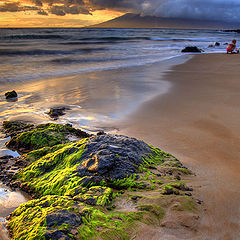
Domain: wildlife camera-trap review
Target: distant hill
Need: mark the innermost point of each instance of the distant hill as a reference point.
(130, 20)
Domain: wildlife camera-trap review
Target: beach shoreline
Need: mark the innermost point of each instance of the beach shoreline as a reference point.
(189, 122)
(197, 121)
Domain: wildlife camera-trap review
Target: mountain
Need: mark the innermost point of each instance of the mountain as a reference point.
(130, 20)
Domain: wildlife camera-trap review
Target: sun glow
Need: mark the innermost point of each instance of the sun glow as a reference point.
(32, 18)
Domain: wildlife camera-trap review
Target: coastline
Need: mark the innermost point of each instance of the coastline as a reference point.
(197, 121)
(188, 122)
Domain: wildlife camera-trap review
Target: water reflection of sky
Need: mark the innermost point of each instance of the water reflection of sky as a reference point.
(95, 99)
(10, 200)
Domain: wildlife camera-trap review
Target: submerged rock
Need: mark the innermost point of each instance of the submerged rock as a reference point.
(191, 49)
(11, 94)
(57, 111)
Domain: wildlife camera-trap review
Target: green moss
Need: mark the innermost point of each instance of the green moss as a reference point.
(44, 135)
(36, 154)
(157, 211)
(126, 183)
(188, 204)
(14, 127)
(29, 220)
(108, 226)
(58, 170)
(55, 173)
(99, 196)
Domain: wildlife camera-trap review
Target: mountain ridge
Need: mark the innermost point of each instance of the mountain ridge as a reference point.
(131, 20)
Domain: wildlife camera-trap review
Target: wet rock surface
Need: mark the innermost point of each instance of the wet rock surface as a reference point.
(55, 112)
(11, 94)
(112, 157)
(192, 49)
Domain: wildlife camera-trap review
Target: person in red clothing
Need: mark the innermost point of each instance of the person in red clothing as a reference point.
(232, 46)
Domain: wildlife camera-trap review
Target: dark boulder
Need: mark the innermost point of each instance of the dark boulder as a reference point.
(11, 94)
(217, 44)
(55, 112)
(191, 49)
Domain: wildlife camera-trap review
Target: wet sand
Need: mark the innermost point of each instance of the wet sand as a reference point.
(198, 121)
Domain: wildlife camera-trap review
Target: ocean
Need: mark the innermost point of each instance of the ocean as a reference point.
(101, 74)
(30, 54)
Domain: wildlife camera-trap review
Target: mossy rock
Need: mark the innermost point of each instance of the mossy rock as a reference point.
(107, 160)
(77, 182)
(45, 218)
(97, 195)
(44, 135)
(12, 128)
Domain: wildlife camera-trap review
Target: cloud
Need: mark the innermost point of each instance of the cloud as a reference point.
(15, 7)
(42, 12)
(195, 9)
(68, 9)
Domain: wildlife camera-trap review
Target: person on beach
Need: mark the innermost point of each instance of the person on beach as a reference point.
(231, 47)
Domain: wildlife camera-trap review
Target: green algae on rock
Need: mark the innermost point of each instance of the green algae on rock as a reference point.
(43, 218)
(80, 182)
(43, 135)
(12, 128)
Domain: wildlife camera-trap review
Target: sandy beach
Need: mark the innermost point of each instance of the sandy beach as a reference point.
(198, 121)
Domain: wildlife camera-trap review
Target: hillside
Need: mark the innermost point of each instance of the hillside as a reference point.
(130, 20)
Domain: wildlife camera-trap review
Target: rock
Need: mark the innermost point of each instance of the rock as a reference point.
(56, 235)
(199, 201)
(168, 191)
(210, 46)
(225, 43)
(57, 111)
(96, 196)
(12, 128)
(191, 49)
(43, 135)
(178, 177)
(11, 94)
(100, 133)
(57, 218)
(51, 217)
(134, 198)
(233, 30)
(217, 44)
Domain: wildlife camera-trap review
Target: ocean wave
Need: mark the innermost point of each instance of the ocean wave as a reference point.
(32, 52)
(114, 38)
(29, 36)
(91, 60)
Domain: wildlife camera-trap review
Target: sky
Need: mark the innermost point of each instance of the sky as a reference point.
(79, 13)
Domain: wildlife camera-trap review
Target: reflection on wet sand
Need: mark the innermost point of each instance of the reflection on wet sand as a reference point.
(94, 98)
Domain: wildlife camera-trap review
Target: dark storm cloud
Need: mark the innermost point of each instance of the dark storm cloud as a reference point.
(15, 7)
(197, 9)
